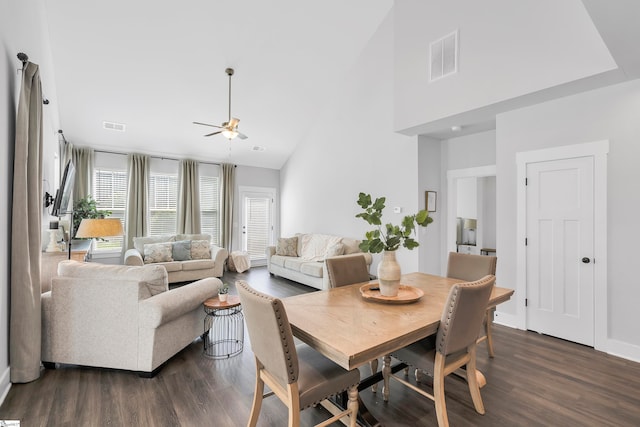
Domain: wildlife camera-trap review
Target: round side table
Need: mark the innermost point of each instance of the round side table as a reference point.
(223, 327)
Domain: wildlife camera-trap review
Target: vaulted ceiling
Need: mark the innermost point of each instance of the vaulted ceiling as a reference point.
(157, 66)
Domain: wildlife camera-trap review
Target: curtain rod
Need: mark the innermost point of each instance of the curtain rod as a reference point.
(151, 156)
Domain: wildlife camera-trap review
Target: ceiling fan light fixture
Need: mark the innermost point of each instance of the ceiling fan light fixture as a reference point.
(229, 134)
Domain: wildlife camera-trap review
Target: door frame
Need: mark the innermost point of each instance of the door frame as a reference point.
(598, 150)
(273, 192)
(452, 203)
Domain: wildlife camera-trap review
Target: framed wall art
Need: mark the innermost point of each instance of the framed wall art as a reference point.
(430, 200)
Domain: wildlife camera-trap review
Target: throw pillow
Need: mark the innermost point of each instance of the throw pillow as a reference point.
(287, 246)
(334, 250)
(157, 252)
(181, 251)
(200, 249)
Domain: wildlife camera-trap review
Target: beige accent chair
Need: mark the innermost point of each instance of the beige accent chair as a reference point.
(120, 317)
(453, 347)
(469, 267)
(300, 376)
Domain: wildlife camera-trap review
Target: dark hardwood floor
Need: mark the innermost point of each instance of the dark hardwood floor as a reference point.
(534, 380)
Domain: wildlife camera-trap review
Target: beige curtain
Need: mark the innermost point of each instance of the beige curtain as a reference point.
(226, 220)
(188, 218)
(83, 161)
(138, 198)
(26, 229)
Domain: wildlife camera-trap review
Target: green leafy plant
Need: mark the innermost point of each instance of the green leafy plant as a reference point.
(390, 237)
(224, 289)
(86, 208)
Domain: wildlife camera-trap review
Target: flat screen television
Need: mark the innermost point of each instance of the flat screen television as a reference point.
(63, 195)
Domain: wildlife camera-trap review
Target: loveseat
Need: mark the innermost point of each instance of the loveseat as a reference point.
(301, 258)
(121, 317)
(186, 257)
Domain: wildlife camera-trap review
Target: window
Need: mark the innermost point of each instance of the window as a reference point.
(111, 194)
(210, 207)
(163, 196)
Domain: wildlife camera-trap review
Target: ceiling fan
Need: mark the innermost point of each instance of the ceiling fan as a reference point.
(228, 129)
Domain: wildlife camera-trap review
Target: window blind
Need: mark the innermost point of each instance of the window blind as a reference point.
(111, 194)
(210, 207)
(163, 197)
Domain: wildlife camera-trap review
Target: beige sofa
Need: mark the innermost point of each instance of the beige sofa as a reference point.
(303, 259)
(180, 270)
(120, 317)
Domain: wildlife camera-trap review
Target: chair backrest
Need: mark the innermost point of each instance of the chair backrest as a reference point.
(463, 314)
(270, 333)
(469, 267)
(346, 270)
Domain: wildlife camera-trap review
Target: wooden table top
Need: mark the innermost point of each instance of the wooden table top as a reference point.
(215, 303)
(351, 331)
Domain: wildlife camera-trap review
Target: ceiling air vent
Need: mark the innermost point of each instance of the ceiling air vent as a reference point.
(258, 148)
(114, 126)
(443, 55)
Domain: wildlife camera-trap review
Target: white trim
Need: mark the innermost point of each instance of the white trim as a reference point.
(598, 150)
(5, 384)
(452, 200)
(624, 350)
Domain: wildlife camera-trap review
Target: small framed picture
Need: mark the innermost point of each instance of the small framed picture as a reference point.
(430, 200)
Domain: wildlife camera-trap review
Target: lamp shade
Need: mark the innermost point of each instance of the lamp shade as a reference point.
(469, 224)
(229, 134)
(99, 227)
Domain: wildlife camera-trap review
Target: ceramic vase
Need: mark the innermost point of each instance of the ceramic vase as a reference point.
(222, 297)
(389, 274)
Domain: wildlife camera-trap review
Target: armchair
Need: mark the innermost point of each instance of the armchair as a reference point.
(120, 317)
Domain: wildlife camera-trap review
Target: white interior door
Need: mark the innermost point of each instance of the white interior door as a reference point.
(257, 214)
(560, 248)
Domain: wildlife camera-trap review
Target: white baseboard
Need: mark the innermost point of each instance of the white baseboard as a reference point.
(505, 319)
(5, 384)
(624, 350)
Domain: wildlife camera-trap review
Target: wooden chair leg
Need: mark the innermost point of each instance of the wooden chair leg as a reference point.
(438, 391)
(257, 399)
(352, 405)
(293, 404)
(488, 326)
(472, 380)
(386, 373)
(374, 368)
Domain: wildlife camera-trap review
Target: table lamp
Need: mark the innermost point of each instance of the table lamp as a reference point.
(470, 224)
(98, 227)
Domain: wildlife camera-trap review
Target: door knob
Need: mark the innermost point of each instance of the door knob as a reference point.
(586, 260)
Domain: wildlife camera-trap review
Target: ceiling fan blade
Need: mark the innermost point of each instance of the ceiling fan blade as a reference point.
(233, 123)
(207, 124)
(214, 133)
(242, 136)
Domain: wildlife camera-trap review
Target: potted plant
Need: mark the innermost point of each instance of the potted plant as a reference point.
(86, 208)
(388, 239)
(223, 292)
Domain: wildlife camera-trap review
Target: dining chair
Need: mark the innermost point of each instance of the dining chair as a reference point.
(451, 348)
(347, 270)
(300, 376)
(469, 267)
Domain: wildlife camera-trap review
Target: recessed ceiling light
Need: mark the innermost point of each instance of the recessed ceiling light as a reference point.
(456, 128)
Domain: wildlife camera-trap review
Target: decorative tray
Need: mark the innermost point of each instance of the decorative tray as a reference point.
(406, 294)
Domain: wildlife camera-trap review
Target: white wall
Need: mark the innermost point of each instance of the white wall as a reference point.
(353, 148)
(430, 178)
(22, 29)
(541, 53)
(605, 114)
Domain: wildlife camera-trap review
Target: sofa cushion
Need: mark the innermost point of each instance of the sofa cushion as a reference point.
(200, 249)
(139, 242)
(314, 246)
(351, 246)
(172, 266)
(293, 263)
(334, 250)
(206, 237)
(157, 252)
(311, 269)
(287, 246)
(198, 264)
(278, 260)
(153, 276)
(181, 250)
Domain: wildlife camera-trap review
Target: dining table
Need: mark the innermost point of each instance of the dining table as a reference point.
(348, 327)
